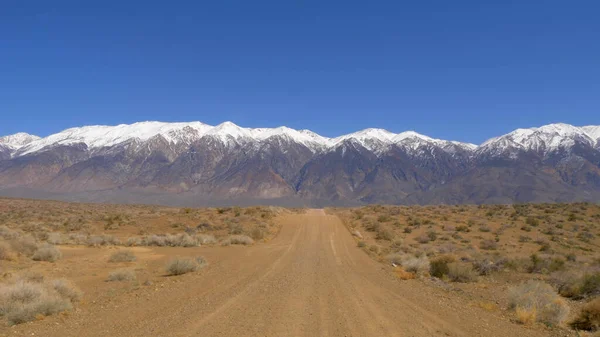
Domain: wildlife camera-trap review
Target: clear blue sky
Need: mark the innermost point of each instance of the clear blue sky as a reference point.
(464, 70)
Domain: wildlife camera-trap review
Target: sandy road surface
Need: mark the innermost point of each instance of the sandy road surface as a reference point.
(311, 280)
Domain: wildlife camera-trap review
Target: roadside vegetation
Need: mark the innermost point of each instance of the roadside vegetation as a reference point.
(110, 244)
(548, 254)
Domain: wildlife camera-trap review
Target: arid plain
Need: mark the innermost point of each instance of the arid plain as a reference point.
(70, 269)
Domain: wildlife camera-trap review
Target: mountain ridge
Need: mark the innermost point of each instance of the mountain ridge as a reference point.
(184, 163)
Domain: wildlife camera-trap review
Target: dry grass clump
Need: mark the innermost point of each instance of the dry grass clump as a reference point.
(205, 239)
(411, 263)
(577, 285)
(461, 272)
(180, 240)
(25, 301)
(122, 256)
(24, 245)
(257, 233)
(488, 245)
(589, 317)
(537, 301)
(55, 239)
(237, 240)
(102, 240)
(403, 274)
(488, 266)
(5, 252)
(47, 252)
(180, 266)
(121, 275)
(439, 265)
(133, 242)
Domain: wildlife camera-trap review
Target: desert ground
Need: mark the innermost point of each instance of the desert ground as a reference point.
(70, 269)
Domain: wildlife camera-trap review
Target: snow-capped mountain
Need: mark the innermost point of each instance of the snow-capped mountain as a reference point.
(100, 136)
(195, 162)
(543, 140)
(18, 140)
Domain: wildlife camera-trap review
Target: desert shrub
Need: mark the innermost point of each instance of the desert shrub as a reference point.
(531, 221)
(180, 240)
(372, 226)
(102, 240)
(133, 242)
(66, 290)
(488, 266)
(238, 240)
(361, 244)
(47, 252)
(432, 235)
(155, 240)
(5, 252)
(589, 317)
(121, 275)
(543, 265)
(538, 301)
(488, 245)
(257, 233)
(25, 245)
(122, 256)
(55, 239)
(524, 238)
(590, 285)
(407, 230)
(7, 233)
(463, 228)
(78, 238)
(179, 266)
(418, 265)
(422, 239)
(375, 249)
(385, 234)
(205, 239)
(439, 265)
(25, 301)
(461, 272)
(384, 218)
(485, 228)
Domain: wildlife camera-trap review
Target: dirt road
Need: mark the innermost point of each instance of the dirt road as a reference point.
(311, 280)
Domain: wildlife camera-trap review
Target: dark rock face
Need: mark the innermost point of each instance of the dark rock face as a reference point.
(213, 170)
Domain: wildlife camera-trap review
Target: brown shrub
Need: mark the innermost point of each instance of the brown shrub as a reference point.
(179, 266)
(122, 256)
(439, 265)
(25, 301)
(461, 272)
(121, 275)
(237, 240)
(47, 252)
(25, 245)
(589, 317)
(5, 252)
(539, 299)
(488, 245)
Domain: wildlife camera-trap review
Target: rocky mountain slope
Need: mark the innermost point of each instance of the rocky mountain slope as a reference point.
(198, 164)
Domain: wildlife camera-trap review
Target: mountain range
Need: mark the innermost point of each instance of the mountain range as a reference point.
(197, 164)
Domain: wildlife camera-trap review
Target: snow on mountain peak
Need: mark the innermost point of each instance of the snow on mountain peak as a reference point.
(545, 139)
(18, 139)
(593, 131)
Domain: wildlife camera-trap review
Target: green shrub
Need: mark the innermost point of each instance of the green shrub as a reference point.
(461, 272)
(439, 265)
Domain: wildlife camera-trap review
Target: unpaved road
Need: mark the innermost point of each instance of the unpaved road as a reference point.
(311, 280)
